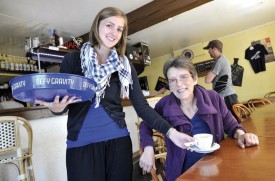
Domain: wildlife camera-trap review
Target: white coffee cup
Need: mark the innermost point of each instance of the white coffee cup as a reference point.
(203, 141)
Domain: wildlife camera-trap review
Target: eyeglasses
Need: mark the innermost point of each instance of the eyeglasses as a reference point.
(182, 78)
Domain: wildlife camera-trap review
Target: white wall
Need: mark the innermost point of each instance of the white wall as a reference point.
(131, 119)
(49, 147)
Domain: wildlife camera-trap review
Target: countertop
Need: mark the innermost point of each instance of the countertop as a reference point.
(38, 112)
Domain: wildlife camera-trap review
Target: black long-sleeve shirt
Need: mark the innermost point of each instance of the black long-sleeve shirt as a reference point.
(111, 102)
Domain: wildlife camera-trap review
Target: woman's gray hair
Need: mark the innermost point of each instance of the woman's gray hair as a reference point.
(180, 62)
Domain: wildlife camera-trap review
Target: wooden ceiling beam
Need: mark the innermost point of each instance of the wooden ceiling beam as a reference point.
(158, 11)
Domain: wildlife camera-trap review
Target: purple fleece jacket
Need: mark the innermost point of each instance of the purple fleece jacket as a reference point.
(211, 109)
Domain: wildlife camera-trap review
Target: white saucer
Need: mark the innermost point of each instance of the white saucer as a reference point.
(213, 148)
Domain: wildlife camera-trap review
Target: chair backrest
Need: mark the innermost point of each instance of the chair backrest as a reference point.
(257, 102)
(241, 111)
(160, 146)
(269, 94)
(10, 137)
(160, 156)
(153, 101)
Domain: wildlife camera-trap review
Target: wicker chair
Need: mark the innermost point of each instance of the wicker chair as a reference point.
(254, 103)
(153, 101)
(160, 156)
(241, 111)
(11, 149)
(270, 94)
(160, 147)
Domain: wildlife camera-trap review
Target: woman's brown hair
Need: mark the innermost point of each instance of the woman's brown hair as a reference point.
(103, 14)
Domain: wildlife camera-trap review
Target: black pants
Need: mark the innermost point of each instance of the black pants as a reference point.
(103, 161)
(230, 101)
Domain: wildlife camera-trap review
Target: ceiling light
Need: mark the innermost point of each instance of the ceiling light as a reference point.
(169, 19)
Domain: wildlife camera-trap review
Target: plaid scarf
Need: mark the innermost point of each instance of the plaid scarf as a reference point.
(101, 73)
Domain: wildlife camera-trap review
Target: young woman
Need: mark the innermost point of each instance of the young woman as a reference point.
(191, 109)
(98, 141)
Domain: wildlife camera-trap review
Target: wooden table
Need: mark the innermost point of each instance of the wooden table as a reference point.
(262, 121)
(231, 162)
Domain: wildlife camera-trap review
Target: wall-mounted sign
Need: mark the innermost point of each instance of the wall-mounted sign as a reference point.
(204, 67)
(162, 82)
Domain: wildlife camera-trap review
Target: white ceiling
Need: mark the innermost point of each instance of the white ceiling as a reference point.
(30, 18)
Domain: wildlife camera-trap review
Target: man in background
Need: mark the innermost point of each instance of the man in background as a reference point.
(220, 74)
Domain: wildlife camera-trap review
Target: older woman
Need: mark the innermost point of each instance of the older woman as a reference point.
(190, 109)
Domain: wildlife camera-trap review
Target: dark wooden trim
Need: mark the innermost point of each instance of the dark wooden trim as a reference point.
(156, 12)
(127, 102)
(39, 112)
(28, 113)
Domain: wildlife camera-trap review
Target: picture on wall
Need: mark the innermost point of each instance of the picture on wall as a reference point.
(267, 43)
(162, 82)
(143, 83)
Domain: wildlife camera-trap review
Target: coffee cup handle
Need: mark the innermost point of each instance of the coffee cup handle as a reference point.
(189, 144)
(196, 142)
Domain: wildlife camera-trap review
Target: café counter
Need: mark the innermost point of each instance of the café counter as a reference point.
(38, 112)
(49, 140)
(29, 113)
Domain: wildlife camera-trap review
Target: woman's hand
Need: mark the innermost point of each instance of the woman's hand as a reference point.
(179, 138)
(147, 159)
(57, 105)
(246, 139)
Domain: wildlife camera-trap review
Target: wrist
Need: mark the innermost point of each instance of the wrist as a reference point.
(238, 133)
(168, 134)
(148, 148)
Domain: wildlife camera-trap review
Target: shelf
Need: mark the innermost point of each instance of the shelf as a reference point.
(48, 55)
(14, 72)
(7, 75)
(143, 50)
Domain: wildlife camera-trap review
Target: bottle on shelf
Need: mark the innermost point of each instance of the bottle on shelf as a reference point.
(7, 64)
(2, 62)
(11, 62)
(16, 64)
(20, 64)
(28, 66)
(32, 66)
(24, 64)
